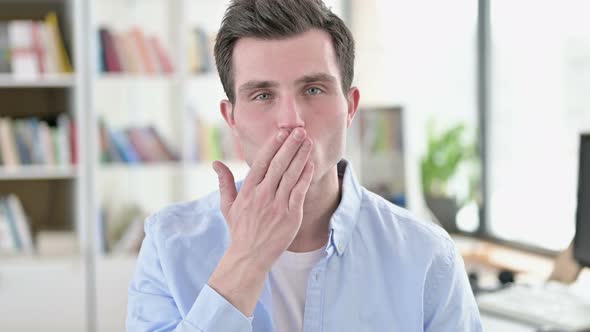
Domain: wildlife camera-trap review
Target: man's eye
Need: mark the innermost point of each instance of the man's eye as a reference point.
(262, 96)
(313, 91)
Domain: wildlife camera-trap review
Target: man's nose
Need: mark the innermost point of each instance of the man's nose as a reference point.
(290, 114)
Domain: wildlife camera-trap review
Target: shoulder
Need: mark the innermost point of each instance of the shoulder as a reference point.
(186, 218)
(403, 228)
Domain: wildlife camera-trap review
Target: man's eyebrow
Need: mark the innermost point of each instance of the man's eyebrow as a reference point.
(310, 78)
(253, 85)
(316, 77)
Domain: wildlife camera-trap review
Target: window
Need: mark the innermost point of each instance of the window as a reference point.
(539, 104)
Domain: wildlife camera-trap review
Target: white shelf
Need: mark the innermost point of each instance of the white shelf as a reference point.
(52, 81)
(140, 166)
(16, 256)
(3, 2)
(208, 164)
(131, 77)
(38, 172)
(20, 258)
(191, 165)
(206, 76)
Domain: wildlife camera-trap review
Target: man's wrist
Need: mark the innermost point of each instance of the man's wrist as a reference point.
(239, 279)
(256, 263)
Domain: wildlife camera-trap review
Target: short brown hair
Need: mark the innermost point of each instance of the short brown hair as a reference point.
(277, 19)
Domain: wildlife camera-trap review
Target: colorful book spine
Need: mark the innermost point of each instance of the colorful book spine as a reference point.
(145, 55)
(211, 142)
(134, 145)
(15, 232)
(30, 49)
(4, 49)
(162, 56)
(23, 59)
(32, 141)
(10, 157)
(132, 52)
(110, 56)
(7, 242)
(63, 59)
(63, 129)
(125, 148)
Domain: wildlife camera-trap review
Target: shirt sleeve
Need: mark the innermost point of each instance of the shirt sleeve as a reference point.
(449, 301)
(151, 307)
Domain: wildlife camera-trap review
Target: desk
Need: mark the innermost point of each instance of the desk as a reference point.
(487, 259)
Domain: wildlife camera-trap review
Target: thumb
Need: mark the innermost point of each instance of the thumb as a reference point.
(227, 186)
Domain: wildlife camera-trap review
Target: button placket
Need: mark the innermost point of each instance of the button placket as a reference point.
(313, 305)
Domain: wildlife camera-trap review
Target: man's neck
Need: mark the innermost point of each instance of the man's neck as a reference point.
(321, 201)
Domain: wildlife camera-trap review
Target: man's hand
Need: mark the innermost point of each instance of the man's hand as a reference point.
(264, 217)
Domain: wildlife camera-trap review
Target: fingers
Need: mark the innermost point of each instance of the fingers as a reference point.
(282, 159)
(293, 173)
(263, 159)
(227, 186)
(300, 190)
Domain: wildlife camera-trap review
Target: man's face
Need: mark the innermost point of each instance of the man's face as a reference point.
(290, 83)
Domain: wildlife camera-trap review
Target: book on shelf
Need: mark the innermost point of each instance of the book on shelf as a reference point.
(4, 49)
(200, 51)
(132, 52)
(30, 49)
(108, 54)
(15, 234)
(381, 130)
(382, 152)
(56, 43)
(163, 59)
(121, 230)
(133, 145)
(31, 141)
(146, 53)
(123, 147)
(108, 152)
(149, 144)
(212, 141)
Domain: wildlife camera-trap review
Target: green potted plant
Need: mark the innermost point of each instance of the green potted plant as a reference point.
(445, 154)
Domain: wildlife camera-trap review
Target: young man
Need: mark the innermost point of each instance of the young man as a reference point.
(301, 246)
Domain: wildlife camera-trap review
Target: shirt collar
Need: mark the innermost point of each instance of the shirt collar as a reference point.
(345, 217)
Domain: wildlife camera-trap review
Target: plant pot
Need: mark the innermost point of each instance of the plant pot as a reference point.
(445, 210)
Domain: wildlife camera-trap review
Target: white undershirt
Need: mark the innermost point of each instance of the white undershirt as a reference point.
(288, 280)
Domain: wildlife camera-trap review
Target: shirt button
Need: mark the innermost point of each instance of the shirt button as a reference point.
(340, 247)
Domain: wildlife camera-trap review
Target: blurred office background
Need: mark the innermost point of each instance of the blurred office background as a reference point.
(471, 114)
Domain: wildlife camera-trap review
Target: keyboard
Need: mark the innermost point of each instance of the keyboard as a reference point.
(550, 305)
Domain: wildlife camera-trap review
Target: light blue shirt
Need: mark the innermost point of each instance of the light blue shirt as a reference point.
(384, 270)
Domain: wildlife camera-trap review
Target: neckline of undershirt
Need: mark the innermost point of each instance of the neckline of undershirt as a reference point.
(300, 260)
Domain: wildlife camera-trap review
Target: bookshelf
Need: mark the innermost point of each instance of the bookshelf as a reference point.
(53, 81)
(38, 87)
(38, 173)
(40, 112)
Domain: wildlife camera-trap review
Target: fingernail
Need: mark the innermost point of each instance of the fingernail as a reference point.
(307, 144)
(215, 168)
(282, 135)
(298, 134)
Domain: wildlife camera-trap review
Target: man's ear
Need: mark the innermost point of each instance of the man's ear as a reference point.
(227, 111)
(353, 98)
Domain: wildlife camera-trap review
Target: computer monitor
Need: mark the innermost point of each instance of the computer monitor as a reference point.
(582, 237)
